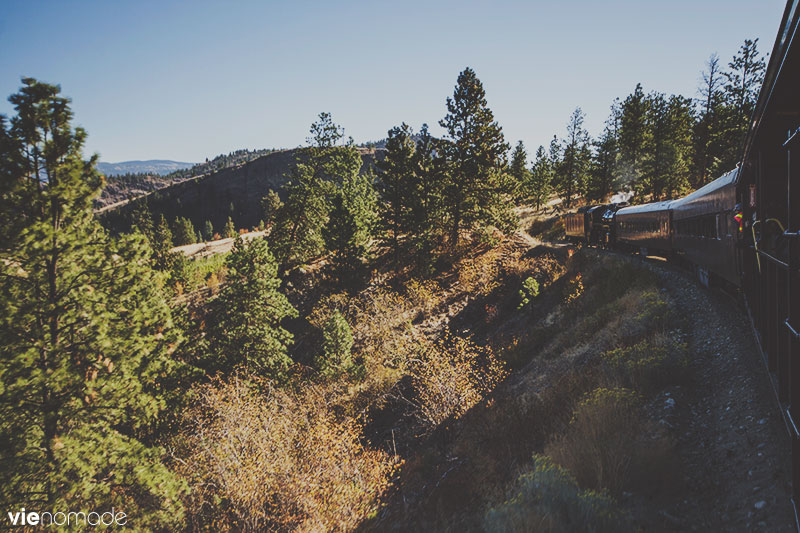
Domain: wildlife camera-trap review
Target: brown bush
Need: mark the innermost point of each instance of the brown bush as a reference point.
(449, 377)
(261, 458)
(611, 444)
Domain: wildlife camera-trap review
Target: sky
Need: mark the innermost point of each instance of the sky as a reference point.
(190, 80)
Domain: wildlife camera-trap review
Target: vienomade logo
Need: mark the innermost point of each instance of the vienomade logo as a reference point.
(70, 518)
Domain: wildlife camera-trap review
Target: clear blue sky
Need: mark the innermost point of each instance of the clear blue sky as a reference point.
(189, 80)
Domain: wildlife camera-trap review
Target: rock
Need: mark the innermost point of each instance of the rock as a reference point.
(760, 504)
(762, 421)
(670, 403)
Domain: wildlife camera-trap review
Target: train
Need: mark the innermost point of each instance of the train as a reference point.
(700, 230)
(742, 230)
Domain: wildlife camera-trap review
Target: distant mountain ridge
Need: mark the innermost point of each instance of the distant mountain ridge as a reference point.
(151, 166)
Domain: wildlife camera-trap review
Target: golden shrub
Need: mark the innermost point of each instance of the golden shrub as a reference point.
(263, 458)
(450, 376)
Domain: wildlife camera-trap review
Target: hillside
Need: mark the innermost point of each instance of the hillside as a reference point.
(121, 187)
(234, 192)
(160, 167)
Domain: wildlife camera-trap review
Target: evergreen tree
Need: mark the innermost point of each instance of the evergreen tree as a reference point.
(297, 235)
(351, 224)
(85, 333)
(603, 175)
(477, 187)
(271, 205)
(742, 84)
(142, 221)
(397, 186)
(184, 232)
(633, 134)
(162, 244)
(426, 216)
(208, 231)
(665, 167)
(571, 179)
(337, 344)
(705, 151)
(540, 178)
(519, 168)
(246, 318)
(229, 231)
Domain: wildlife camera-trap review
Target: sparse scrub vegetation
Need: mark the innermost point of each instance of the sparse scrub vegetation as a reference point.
(547, 498)
(610, 444)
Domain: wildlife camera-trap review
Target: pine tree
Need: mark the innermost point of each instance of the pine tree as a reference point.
(633, 134)
(229, 231)
(540, 178)
(142, 221)
(603, 175)
(297, 235)
(348, 233)
(271, 205)
(184, 232)
(337, 344)
(85, 333)
(665, 166)
(208, 231)
(426, 215)
(743, 82)
(397, 186)
(246, 327)
(477, 189)
(705, 152)
(519, 168)
(571, 179)
(162, 244)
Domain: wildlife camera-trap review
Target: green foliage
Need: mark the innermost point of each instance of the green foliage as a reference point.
(547, 498)
(162, 244)
(337, 344)
(208, 231)
(665, 166)
(477, 187)
(351, 223)
(529, 291)
(271, 205)
(604, 171)
(519, 169)
(247, 314)
(298, 233)
(571, 171)
(86, 333)
(229, 231)
(540, 178)
(184, 232)
(398, 186)
(649, 364)
(633, 133)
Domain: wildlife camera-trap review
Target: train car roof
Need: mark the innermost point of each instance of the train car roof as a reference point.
(723, 181)
(644, 208)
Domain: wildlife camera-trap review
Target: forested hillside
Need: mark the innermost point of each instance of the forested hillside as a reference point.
(409, 345)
